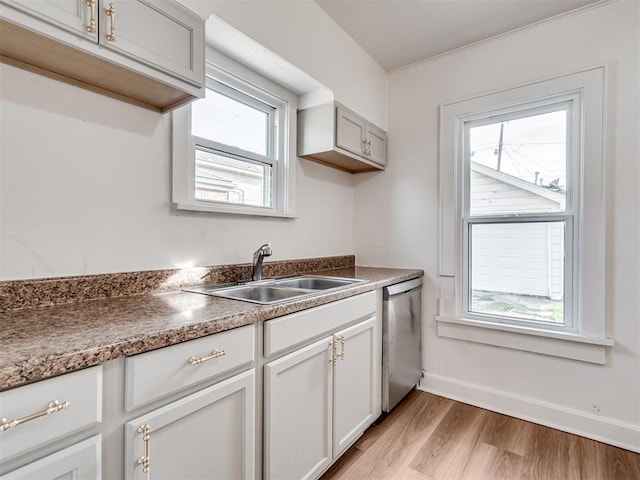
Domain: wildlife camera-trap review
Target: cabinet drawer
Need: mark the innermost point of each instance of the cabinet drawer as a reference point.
(83, 392)
(283, 333)
(153, 375)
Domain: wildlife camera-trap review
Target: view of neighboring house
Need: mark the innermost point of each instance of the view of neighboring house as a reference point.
(222, 179)
(515, 259)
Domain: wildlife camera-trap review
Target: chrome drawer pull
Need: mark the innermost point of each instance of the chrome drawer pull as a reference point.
(214, 354)
(145, 460)
(53, 407)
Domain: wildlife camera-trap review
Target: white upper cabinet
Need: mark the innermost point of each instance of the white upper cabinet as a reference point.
(376, 144)
(350, 130)
(71, 15)
(160, 34)
(147, 53)
(334, 135)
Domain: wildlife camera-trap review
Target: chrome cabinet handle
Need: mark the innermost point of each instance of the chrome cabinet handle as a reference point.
(341, 340)
(53, 407)
(214, 354)
(145, 460)
(91, 28)
(111, 13)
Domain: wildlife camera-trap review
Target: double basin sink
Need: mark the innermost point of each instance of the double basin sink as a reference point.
(266, 292)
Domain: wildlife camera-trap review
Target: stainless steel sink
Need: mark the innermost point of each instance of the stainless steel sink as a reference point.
(316, 282)
(264, 294)
(277, 290)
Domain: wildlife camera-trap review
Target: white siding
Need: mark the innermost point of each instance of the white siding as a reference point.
(492, 196)
(523, 259)
(556, 261)
(511, 258)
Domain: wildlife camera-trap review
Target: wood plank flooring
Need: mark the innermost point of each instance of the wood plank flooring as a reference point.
(433, 438)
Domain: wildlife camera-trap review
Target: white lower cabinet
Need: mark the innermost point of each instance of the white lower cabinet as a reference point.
(80, 461)
(356, 380)
(319, 400)
(298, 411)
(189, 411)
(209, 434)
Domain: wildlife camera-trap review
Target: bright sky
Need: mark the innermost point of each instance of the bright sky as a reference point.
(531, 144)
(222, 119)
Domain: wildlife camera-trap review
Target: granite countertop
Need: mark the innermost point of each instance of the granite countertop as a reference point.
(38, 343)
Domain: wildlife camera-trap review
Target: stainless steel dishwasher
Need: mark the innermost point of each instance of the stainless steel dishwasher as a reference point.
(401, 341)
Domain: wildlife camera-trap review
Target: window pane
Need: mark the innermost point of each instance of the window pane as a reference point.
(519, 165)
(222, 119)
(229, 180)
(517, 270)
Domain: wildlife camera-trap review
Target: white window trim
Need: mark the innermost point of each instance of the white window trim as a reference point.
(223, 70)
(587, 340)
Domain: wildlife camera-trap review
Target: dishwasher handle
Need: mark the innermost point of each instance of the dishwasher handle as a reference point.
(400, 288)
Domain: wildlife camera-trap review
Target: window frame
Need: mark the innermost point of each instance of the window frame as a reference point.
(573, 104)
(586, 338)
(231, 79)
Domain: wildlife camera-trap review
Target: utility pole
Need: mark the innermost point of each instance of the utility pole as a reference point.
(500, 146)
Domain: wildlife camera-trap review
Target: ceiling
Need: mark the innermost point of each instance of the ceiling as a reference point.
(397, 33)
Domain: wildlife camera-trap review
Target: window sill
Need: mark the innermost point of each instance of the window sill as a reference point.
(547, 342)
(233, 210)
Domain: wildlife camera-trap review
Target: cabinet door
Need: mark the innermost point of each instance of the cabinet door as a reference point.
(72, 15)
(162, 34)
(79, 461)
(209, 434)
(349, 131)
(356, 383)
(297, 413)
(376, 144)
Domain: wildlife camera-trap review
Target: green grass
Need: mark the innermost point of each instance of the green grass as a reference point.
(485, 298)
(557, 311)
(504, 307)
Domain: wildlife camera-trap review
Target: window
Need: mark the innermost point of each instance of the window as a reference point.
(522, 217)
(231, 148)
(519, 169)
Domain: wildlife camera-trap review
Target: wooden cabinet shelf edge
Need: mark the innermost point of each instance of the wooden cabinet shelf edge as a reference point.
(45, 45)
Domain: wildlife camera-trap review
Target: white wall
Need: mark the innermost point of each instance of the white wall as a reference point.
(396, 220)
(86, 188)
(303, 34)
(85, 180)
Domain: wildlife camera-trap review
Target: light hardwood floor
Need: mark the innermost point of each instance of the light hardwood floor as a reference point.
(433, 438)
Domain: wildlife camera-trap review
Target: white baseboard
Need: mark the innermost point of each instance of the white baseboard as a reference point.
(604, 430)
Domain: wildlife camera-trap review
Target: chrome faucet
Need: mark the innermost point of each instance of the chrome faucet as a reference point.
(258, 257)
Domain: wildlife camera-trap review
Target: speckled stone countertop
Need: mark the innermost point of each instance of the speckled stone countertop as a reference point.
(38, 343)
